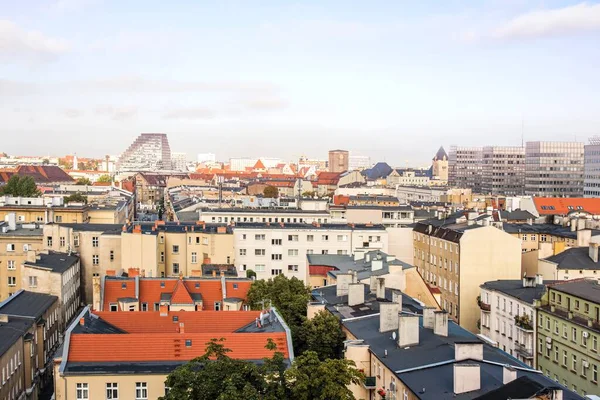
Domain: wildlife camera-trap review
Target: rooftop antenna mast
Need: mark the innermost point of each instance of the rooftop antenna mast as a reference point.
(522, 132)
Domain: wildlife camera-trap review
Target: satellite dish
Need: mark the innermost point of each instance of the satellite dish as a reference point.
(394, 335)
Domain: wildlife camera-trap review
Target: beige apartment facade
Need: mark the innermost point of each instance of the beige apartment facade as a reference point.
(457, 259)
(43, 214)
(15, 242)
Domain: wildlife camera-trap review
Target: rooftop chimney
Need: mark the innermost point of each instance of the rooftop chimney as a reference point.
(428, 317)
(509, 374)
(181, 327)
(440, 326)
(380, 288)
(356, 294)
(397, 297)
(539, 279)
(529, 281)
(11, 218)
(468, 351)
(389, 316)
(467, 378)
(82, 321)
(164, 310)
(342, 282)
(408, 330)
(593, 252)
(4, 318)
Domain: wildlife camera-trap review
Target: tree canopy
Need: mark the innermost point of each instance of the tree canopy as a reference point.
(271, 192)
(83, 181)
(104, 178)
(20, 186)
(217, 376)
(76, 198)
(322, 335)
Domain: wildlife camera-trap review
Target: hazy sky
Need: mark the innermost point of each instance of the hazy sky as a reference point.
(390, 79)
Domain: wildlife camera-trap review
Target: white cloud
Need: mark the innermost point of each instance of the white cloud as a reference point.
(189, 113)
(17, 43)
(117, 113)
(568, 20)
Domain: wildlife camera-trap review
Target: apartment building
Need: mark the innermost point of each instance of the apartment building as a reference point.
(43, 210)
(457, 257)
(411, 194)
(106, 352)
(149, 152)
(338, 160)
(270, 249)
(572, 263)
(465, 167)
(56, 274)
(591, 168)
(136, 293)
(503, 170)
(15, 241)
(97, 245)
(410, 352)
(409, 177)
(173, 249)
(229, 215)
(568, 331)
(554, 169)
(29, 337)
(508, 315)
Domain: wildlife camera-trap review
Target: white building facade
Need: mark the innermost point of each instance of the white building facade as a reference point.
(280, 248)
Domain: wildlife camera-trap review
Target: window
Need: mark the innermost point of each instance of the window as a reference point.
(292, 268)
(594, 373)
(259, 237)
(259, 267)
(113, 307)
(556, 353)
(76, 240)
(242, 252)
(194, 257)
(95, 259)
(112, 255)
(141, 391)
(244, 236)
(325, 238)
(574, 335)
(144, 306)
(564, 330)
(292, 252)
(62, 241)
(574, 363)
(594, 343)
(11, 264)
(10, 247)
(584, 337)
(156, 306)
(310, 251)
(324, 251)
(12, 281)
(577, 304)
(175, 268)
(162, 256)
(58, 218)
(162, 239)
(33, 281)
(310, 238)
(94, 241)
(259, 252)
(112, 390)
(49, 241)
(276, 256)
(342, 238)
(276, 242)
(564, 357)
(276, 271)
(175, 249)
(83, 392)
(217, 306)
(293, 238)
(188, 343)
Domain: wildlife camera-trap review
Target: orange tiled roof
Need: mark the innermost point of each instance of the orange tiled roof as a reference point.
(181, 295)
(565, 205)
(168, 346)
(259, 165)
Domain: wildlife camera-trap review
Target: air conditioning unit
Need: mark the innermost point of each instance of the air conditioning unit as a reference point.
(548, 340)
(585, 335)
(548, 346)
(585, 364)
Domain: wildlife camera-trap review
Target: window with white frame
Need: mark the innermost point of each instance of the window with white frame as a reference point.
(242, 252)
(259, 267)
(292, 252)
(95, 259)
(292, 268)
(95, 241)
(259, 252)
(82, 391)
(310, 238)
(175, 268)
(112, 391)
(342, 238)
(33, 281)
(141, 391)
(11, 264)
(293, 238)
(194, 257)
(259, 237)
(76, 240)
(12, 281)
(10, 247)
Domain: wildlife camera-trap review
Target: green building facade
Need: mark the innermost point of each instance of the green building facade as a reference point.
(568, 332)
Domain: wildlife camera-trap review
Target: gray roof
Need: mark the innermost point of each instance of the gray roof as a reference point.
(11, 331)
(346, 263)
(514, 288)
(187, 216)
(109, 229)
(574, 258)
(585, 289)
(27, 304)
(550, 229)
(28, 230)
(516, 215)
(287, 225)
(263, 211)
(54, 261)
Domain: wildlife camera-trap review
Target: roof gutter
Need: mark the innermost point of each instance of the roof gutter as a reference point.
(65, 353)
(288, 334)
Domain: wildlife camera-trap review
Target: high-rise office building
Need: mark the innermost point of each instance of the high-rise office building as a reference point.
(338, 160)
(554, 169)
(149, 152)
(591, 178)
(464, 167)
(356, 162)
(179, 161)
(503, 170)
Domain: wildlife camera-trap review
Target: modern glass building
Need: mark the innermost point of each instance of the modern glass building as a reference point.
(591, 178)
(503, 170)
(554, 169)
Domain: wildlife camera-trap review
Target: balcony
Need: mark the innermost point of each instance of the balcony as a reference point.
(370, 382)
(523, 323)
(484, 306)
(524, 351)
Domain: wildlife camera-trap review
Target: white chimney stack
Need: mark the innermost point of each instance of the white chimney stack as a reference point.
(380, 289)
(440, 323)
(468, 351)
(428, 317)
(341, 287)
(389, 316)
(509, 374)
(467, 378)
(408, 330)
(356, 294)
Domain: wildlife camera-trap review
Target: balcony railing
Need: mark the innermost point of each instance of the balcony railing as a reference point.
(370, 382)
(484, 306)
(523, 350)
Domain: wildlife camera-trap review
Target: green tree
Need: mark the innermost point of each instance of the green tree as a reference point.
(289, 295)
(250, 274)
(83, 181)
(309, 194)
(20, 186)
(76, 198)
(322, 334)
(104, 178)
(312, 379)
(271, 192)
(161, 208)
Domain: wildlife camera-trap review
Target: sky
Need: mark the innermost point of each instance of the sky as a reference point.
(393, 80)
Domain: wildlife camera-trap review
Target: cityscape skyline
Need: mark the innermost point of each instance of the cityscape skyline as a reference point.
(312, 74)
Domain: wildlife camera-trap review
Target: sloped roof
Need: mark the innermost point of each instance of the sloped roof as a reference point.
(41, 174)
(441, 153)
(180, 294)
(259, 165)
(565, 205)
(378, 171)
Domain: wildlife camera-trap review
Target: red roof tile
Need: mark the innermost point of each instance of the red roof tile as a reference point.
(180, 294)
(565, 205)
